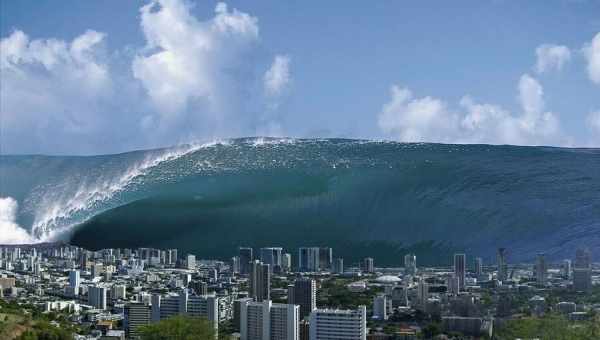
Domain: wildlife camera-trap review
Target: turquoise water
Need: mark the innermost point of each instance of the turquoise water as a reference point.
(361, 197)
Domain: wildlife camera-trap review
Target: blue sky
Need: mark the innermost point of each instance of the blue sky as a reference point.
(108, 76)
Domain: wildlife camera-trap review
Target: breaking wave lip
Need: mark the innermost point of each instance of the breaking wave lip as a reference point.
(59, 213)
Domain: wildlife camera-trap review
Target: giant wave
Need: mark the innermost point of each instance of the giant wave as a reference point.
(361, 197)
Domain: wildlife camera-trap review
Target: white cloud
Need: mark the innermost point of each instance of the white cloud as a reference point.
(416, 119)
(277, 77)
(10, 231)
(193, 79)
(591, 52)
(551, 57)
(51, 87)
(428, 119)
(187, 60)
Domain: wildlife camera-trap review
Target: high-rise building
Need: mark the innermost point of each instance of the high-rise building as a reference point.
(190, 262)
(502, 264)
(582, 271)
(583, 258)
(422, 293)
(478, 266)
(74, 281)
(380, 307)
(206, 306)
(339, 324)
(308, 259)
(97, 296)
(566, 269)
(237, 312)
(272, 257)
(368, 265)
(541, 269)
(410, 264)
(137, 314)
(235, 265)
(338, 266)
(84, 260)
(97, 269)
(260, 281)
(303, 293)
(325, 258)
(171, 256)
(269, 321)
(286, 262)
(460, 261)
(118, 292)
(582, 279)
(245, 259)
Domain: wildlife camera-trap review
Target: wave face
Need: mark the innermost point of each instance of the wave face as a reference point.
(361, 197)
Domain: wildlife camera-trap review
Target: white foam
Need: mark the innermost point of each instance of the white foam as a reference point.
(10, 231)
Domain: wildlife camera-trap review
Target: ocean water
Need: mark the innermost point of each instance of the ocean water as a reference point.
(360, 197)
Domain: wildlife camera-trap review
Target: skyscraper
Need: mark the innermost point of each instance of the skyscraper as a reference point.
(272, 257)
(380, 307)
(566, 269)
(460, 270)
(303, 293)
(338, 266)
(325, 258)
(410, 264)
(260, 281)
(541, 270)
(478, 266)
(235, 265)
(245, 259)
(286, 262)
(269, 321)
(502, 264)
(308, 259)
(74, 282)
(422, 293)
(582, 271)
(97, 297)
(368, 265)
(190, 262)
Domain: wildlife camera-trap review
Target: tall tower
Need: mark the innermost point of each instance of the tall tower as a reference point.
(478, 266)
(303, 293)
(245, 259)
(541, 269)
(410, 264)
(260, 281)
(502, 265)
(460, 269)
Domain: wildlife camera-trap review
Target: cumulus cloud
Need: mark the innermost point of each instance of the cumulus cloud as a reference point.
(187, 55)
(51, 87)
(551, 57)
(591, 52)
(416, 119)
(10, 231)
(277, 77)
(192, 79)
(428, 119)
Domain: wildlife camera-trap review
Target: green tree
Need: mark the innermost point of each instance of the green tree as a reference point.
(179, 328)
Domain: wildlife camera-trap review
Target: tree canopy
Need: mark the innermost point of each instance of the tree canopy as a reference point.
(179, 328)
